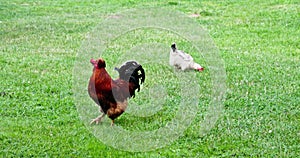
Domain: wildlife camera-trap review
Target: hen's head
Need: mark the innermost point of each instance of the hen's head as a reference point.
(99, 63)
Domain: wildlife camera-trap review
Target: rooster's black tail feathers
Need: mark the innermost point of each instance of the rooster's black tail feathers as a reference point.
(132, 72)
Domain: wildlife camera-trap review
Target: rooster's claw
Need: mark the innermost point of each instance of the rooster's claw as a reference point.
(98, 119)
(95, 120)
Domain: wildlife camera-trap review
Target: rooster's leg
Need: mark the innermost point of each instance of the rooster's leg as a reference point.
(100, 109)
(112, 122)
(98, 119)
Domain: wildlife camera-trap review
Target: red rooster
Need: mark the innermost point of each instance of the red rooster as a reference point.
(111, 95)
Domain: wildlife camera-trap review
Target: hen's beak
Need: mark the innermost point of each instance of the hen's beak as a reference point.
(200, 69)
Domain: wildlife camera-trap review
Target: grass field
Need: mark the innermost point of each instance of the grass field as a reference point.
(258, 41)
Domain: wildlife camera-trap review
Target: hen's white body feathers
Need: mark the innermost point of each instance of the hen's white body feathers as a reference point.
(182, 60)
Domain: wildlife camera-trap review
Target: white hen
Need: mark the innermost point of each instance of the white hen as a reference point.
(182, 60)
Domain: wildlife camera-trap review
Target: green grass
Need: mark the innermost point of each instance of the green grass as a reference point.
(258, 41)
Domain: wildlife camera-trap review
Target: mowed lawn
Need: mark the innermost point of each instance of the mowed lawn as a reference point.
(258, 41)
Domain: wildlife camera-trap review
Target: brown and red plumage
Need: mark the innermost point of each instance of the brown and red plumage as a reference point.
(112, 95)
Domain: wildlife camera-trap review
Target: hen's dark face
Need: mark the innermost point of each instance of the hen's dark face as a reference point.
(99, 63)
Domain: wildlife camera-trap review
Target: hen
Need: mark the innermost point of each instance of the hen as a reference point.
(112, 95)
(182, 60)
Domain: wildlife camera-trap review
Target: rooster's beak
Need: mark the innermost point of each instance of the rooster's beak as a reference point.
(93, 61)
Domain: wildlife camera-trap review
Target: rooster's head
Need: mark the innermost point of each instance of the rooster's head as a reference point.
(99, 63)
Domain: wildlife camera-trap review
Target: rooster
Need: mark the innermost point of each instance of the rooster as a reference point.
(182, 60)
(112, 95)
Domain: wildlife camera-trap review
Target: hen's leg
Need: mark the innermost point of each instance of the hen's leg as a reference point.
(98, 119)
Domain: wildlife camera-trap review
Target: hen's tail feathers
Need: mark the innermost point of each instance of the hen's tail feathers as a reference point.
(173, 46)
(134, 73)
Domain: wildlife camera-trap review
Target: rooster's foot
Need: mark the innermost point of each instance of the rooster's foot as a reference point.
(97, 120)
(112, 123)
